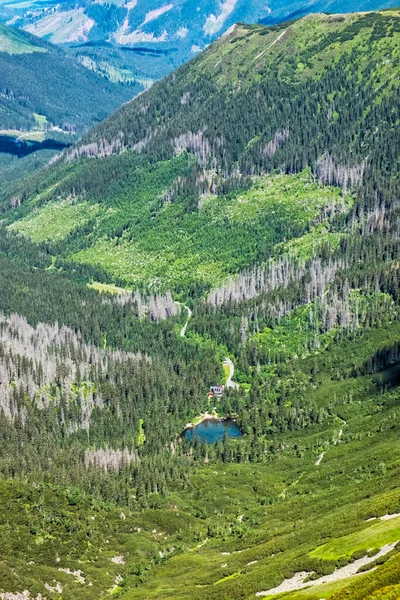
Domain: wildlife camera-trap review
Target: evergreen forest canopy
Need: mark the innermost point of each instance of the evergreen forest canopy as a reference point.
(247, 206)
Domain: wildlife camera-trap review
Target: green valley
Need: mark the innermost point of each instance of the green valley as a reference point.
(46, 101)
(238, 219)
(205, 249)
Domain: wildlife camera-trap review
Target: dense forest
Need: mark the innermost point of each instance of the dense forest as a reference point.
(252, 199)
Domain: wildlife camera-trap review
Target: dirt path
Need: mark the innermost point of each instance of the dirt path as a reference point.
(339, 435)
(189, 313)
(270, 46)
(229, 383)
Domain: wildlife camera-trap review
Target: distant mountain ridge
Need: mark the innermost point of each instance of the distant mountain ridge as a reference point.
(179, 28)
(47, 98)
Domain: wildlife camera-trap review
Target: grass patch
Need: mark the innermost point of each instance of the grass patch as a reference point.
(226, 371)
(375, 535)
(40, 120)
(13, 41)
(227, 578)
(104, 288)
(29, 136)
(55, 221)
(309, 245)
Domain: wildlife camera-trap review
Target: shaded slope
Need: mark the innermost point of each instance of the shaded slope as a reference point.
(39, 79)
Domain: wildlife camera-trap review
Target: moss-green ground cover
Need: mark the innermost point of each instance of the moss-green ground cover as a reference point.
(54, 222)
(132, 234)
(104, 288)
(237, 529)
(375, 536)
(13, 41)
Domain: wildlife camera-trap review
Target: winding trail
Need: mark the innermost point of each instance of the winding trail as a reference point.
(229, 383)
(189, 312)
(183, 330)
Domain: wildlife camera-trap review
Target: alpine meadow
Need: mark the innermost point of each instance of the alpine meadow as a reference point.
(199, 325)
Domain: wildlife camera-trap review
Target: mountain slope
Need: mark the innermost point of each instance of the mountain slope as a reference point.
(258, 100)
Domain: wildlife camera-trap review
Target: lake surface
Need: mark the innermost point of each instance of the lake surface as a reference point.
(213, 430)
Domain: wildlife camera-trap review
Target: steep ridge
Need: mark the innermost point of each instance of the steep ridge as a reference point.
(147, 39)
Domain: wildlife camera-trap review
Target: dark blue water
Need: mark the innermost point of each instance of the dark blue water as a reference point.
(212, 430)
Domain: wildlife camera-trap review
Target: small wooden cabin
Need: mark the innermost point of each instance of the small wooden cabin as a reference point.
(216, 390)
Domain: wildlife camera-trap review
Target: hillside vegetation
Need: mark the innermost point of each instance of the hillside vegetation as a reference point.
(46, 98)
(252, 199)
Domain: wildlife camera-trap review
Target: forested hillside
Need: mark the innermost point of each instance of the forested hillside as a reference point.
(247, 206)
(196, 148)
(42, 87)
